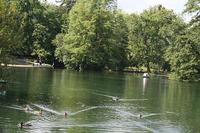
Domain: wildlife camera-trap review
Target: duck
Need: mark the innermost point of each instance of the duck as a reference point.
(28, 108)
(115, 98)
(140, 116)
(66, 114)
(83, 105)
(37, 112)
(24, 125)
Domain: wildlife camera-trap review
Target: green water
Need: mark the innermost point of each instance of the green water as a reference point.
(166, 106)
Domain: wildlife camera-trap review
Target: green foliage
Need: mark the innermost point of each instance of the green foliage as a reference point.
(150, 34)
(94, 35)
(88, 44)
(52, 21)
(59, 51)
(40, 36)
(193, 7)
(64, 9)
(67, 4)
(9, 31)
(184, 56)
(119, 47)
(39, 23)
(31, 12)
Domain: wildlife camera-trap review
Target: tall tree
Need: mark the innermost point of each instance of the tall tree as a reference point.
(9, 29)
(88, 41)
(9, 34)
(184, 55)
(40, 23)
(40, 37)
(51, 25)
(119, 46)
(65, 7)
(31, 13)
(151, 33)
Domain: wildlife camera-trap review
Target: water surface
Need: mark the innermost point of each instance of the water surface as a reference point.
(97, 102)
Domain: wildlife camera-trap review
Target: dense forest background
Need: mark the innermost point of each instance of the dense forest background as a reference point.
(95, 35)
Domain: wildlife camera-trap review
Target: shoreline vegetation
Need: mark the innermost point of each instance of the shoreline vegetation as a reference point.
(123, 71)
(95, 35)
(28, 63)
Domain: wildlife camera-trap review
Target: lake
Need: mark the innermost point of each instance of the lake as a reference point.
(97, 102)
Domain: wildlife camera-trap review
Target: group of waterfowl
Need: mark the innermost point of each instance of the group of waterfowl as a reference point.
(28, 109)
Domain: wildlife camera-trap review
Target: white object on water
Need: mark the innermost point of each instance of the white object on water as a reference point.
(145, 75)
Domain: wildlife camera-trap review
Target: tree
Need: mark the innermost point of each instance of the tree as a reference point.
(88, 41)
(65, 7)
(67, 4)
(31, 12)
(9, 34)
(52, 23)
(193, 7)
(150, 35)
(40, 45)
(9, 29)
(119, 47)
(184, 56)
(39, 24)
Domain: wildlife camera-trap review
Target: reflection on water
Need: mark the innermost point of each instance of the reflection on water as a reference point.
(144, 85)
(97, 102)
(3, 89)
(2, 93)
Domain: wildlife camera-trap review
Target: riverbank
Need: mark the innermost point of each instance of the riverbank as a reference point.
(30, 65)
(26, 63)
(142, 70)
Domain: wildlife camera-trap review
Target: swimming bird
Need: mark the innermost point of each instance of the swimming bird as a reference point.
(83, 105)
(140, 116)
(37, 112)
(24, 125)
(28, 108)
(115, 98)
(66, 114)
